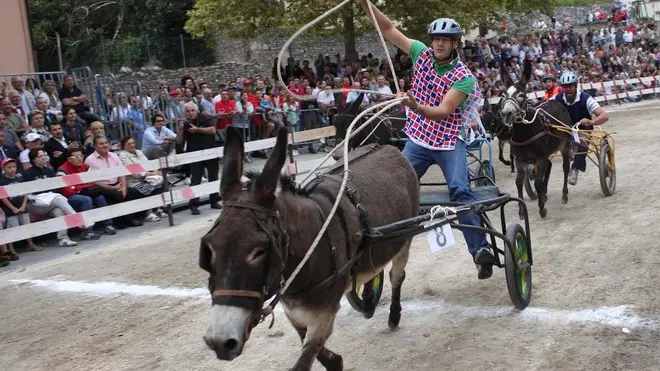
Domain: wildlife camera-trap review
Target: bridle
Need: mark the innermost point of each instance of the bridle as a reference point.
(268, 221)
(518, 115)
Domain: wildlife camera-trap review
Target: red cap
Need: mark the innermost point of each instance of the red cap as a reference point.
(6, 161)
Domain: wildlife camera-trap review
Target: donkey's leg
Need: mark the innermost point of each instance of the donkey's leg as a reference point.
(521, 169)
(500, 144)
(513, 166)
(546, 178)
(397, 276)
(316, 327)
(566, 156)
(538, 184)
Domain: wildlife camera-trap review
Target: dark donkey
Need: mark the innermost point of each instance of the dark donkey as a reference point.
(267, 226)
(532, 138)
(390, 128)
(493, 124)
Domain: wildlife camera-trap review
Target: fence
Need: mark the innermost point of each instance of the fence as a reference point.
(172, 196)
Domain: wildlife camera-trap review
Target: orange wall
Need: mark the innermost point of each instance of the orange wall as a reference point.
(15, 43)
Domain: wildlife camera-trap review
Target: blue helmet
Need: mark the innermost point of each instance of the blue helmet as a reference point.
(568, 78)
(446, 27)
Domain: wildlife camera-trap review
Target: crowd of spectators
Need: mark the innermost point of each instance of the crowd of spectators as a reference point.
(48, 131)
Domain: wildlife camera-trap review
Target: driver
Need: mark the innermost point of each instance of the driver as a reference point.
(583, 109)
(442, 103)
(551, 88)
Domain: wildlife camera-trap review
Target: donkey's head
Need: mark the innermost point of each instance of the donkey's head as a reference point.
(514, 100)
(245, 250)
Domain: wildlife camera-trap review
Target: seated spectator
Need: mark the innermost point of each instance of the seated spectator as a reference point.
(8, 143)
(32, 141)
(37, 125)
(148, 183)
(272, 116)
(13, 120)
(95, 128)
(73, 97)
(49, 117)
(52, 98)
(57, 145)
(158, 139)
(117, 190)
(73, 130)
(49, 202)
(14, 208)
(84, 196)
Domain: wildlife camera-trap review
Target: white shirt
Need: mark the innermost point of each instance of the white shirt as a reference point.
(325, 97)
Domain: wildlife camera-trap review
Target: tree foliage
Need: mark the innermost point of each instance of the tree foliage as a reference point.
(112, 33)
(247, 19)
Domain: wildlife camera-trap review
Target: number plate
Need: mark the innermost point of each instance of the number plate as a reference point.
(440, 238)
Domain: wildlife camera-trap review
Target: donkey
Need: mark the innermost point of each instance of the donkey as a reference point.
(532, 138)
(493, 124)
(390, 128)
(267, 226)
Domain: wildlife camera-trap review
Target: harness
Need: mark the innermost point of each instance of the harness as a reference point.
(268, 221)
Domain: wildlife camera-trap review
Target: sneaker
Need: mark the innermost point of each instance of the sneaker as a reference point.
(216, 206)
(573, 177)
(66, 242)
(88, 235)
(484, 259)
(161, 213)
(194, 211)
(110, 230)
(295, 153)
(152, 218)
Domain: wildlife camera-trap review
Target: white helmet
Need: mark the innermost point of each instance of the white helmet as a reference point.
(568, 78)
(445, 27)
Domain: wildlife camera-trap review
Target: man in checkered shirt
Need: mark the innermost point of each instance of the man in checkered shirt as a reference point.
(442, 104)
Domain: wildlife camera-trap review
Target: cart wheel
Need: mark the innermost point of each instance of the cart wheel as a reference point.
(530, 174)
(607, 169)
(485, 169)
(367, 307)
(517, 268)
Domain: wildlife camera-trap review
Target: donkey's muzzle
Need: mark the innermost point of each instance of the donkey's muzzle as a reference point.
(226, 332)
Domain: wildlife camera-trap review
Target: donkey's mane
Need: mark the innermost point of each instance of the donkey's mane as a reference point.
(286, 183)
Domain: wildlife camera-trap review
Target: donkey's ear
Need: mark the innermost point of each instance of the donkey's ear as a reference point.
(232, 170)
(527, 72)
(266, 184)
(504, 74)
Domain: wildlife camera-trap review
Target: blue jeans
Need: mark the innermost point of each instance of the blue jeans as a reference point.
(82, 203)
(455, 169)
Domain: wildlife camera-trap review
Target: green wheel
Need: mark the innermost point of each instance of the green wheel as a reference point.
(365, 299)
(485, 169)
(517, 267)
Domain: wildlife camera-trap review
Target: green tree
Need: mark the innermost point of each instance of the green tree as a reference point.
(112, 33)
(247, 19)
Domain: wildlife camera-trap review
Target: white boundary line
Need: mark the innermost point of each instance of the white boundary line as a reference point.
(619, 316)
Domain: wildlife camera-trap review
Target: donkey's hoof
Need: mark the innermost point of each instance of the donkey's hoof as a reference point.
(543, 212)
(334, 363)
(564, 200)
(369, 313)
(393, 321)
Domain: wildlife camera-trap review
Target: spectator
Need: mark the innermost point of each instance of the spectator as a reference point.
(73, 130)
(116, 188)
(148, 183)
(37, 126)
(73, 97)
(291, 109)
(32, 141)
(54, 104)
(158, 139)
(13, 120)
(57, 146)
(10, 145)
(226, 109)
(14, 208)
(198, 133)
(84, 196)
(51, 203)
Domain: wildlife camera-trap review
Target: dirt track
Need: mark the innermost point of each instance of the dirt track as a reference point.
(595, 302)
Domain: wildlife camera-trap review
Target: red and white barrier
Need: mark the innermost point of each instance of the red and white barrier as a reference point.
(603, 85)
(167, 198)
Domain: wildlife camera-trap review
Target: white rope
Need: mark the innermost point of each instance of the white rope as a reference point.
(295, 35)
(441, 210)
(387, 105)
(387, 51)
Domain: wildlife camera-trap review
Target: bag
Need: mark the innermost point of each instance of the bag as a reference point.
(154, 180)
(144, 188)
(43, 199)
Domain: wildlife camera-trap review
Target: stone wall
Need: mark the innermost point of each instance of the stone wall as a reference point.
(255, 57)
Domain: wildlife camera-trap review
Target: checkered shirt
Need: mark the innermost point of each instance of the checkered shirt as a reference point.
(429, 88)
